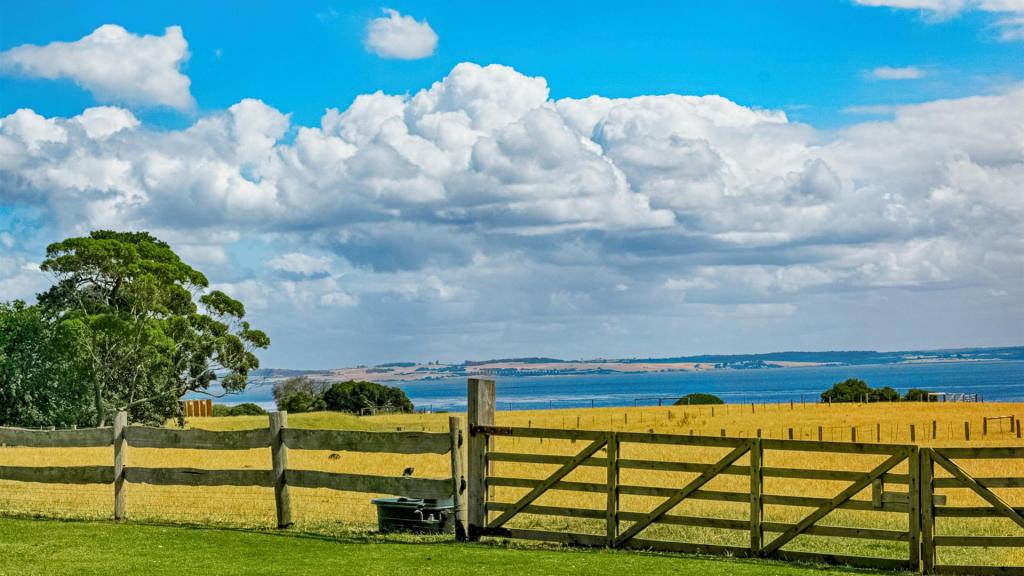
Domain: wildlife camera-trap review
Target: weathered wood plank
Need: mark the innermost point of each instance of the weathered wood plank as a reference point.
(680, 520)
(552, 433)
(681, 494)
(548, 510)
(438, 488)
(58, 474)
(196, 439)
(914, 512)
(531, 483)
(843, 496)
(360, 441)
(980, 570)
(555, 477)
(458, 478)
(927, 491)
(80, 438)
(986, 541)
(988, 482)
(981, 452)
(839, 447)
(541, 459)
(989, 496)
(278, 422)
(681, 440)
(612, 504)
(971, 512)
(120, 452)
(479, 413)
(756, 492)
(197, 477)
(842, 532)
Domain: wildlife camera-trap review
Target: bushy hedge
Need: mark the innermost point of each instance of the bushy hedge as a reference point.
(699, 398)
(304, 395)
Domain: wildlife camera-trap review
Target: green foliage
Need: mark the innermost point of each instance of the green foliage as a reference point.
(856, 390)
(916, 395)
(247, 409)
(244, 409)
(354, 396)
(42, 364)
(299, 394)
(699, 398)
(129, 331)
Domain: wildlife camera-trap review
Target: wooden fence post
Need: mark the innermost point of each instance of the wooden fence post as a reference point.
(967, 430)
(612, 513)
(120, 422)
(756, 507)
(935, 429)
(914, 491)
(279, 459)
(481, 413)
(927, 490)
(913, 434)
(458, 479)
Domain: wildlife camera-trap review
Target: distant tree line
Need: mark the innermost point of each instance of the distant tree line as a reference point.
(857, 390)
(301, 394)
(244, 409)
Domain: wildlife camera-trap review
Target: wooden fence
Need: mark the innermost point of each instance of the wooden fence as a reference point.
(278, 437)
(911, 494)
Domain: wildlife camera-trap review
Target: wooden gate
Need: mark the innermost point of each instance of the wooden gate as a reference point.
(891, 501)
(944, 460)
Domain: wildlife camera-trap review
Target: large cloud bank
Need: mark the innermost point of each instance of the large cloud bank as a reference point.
(480, 213)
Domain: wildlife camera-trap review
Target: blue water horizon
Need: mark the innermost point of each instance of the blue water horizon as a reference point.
(994, 381)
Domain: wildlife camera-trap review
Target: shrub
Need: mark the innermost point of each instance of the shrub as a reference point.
(855, 390)
(353, 396)
(849, 390)
(916, 395)
(699, 398)
(247, 409)
(299, 394)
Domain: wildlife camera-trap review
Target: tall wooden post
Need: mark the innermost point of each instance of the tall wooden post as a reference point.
(458, 480)
(914, 491)
(481, 413)
(612, 513)
(120, 423)
(756, 507)
(927, 488)
(279, 459)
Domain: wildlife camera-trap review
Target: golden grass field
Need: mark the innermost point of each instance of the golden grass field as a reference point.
(325, 510)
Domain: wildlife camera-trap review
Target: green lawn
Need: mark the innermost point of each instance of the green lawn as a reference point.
(54, 548)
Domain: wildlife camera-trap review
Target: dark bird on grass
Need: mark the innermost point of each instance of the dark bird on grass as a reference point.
(334, 457)
(408, 472)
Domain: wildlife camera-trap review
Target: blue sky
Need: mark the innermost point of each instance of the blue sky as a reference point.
(808, 58)
(462, 180)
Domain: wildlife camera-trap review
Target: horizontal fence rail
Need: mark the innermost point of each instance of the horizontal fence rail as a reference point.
(899, 482)
(278, 437)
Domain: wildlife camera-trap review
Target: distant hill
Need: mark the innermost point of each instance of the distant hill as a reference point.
(847, 356)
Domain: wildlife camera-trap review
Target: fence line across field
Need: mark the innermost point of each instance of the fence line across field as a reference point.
(278, 437)
(912, 494)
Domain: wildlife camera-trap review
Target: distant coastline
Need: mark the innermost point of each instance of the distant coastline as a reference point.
(540, 366)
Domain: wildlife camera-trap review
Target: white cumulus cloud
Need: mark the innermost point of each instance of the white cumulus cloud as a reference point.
(1009, 14)
(113, 64)
(400, 37)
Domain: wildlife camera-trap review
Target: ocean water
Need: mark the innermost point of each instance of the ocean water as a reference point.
(997, 381)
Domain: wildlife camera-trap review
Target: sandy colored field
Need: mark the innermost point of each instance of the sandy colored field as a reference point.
(327, 510)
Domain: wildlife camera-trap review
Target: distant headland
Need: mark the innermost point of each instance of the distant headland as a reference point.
(541, 366)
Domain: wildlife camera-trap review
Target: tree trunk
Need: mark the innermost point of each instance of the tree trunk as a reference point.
(100, 421)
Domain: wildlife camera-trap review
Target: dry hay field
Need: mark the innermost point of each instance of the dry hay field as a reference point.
(325, 510)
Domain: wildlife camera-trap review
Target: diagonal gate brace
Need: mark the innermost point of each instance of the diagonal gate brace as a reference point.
(989, 496)
(548, 482)
(834, 503)
(681, 495)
